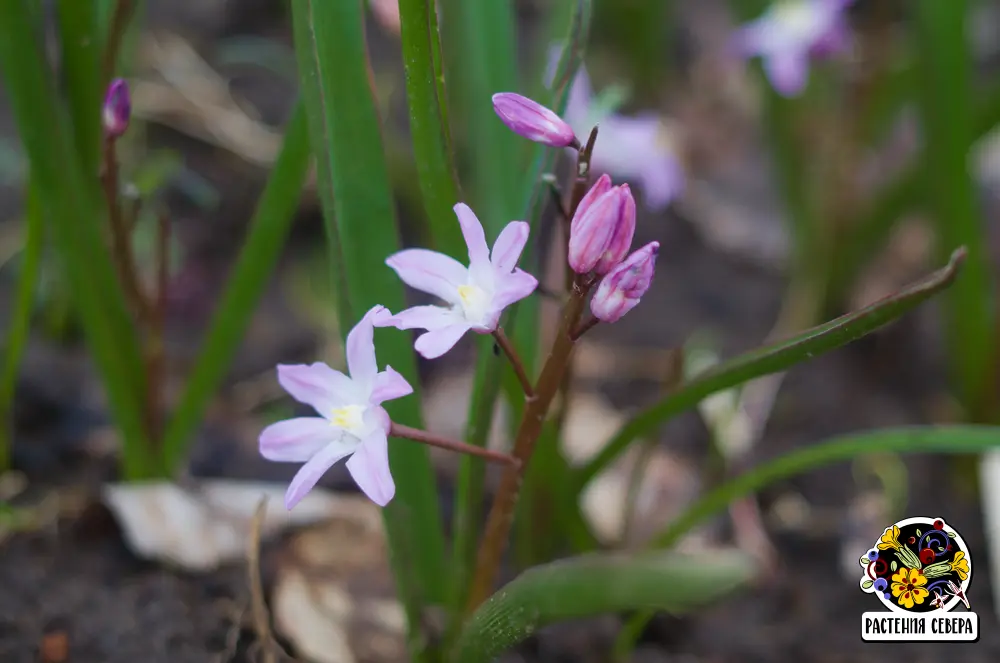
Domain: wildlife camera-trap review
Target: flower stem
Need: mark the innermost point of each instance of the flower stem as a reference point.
(515, 361)
(584, 327)
(502, 511)
(120, 17)
(422, 436)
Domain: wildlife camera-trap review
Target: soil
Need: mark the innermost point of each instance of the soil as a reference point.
(70, 590)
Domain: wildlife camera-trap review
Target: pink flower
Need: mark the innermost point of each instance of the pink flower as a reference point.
(117, 110)
(351, 422)
(637, 148)
(475, 296)
(788, 34)
(623, 287)
(602, 228)
(533, 121)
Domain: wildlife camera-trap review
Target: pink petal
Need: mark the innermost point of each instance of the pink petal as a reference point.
(361, 347)
(475, 239)
(509, 245)
(370, 468)
(435, 343)
(317, 385)
(430, 318)
(430, 271)
(512, 288)
(389, 385)
(296, 440)
(307, 476)
(787, 71)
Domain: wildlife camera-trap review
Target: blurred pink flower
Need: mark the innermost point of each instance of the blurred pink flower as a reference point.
(475, 295)
(386, 13)
(791, 32)
(637, 147)
(351, 422)
(117, 109)
(623, 287)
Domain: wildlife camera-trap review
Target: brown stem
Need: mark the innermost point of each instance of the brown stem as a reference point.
(422, 436)
(584, 328)
(515, 361)
(502, 511)
(116, 33)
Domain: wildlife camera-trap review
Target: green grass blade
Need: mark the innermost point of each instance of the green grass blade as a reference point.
(20, 319)
(597, 584)
(263, 245)
(359, 211)
(425, 94)
(46, 136)
(772, 359)
(80, 44)
(945, 103)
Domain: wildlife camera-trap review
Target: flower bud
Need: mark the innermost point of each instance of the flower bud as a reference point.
(622, 288)
(533, 121)
(601, 232)
(117, 108)
(601, 187)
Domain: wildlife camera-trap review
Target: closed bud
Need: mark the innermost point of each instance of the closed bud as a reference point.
(117, 108)
(622, 288)
(601, 232)
(601, 187)
(533, 121)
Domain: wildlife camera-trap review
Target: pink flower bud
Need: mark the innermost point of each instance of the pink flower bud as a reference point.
(117, 108)
(601, 187)
(622, 288)
(532, 120)
(601, 232)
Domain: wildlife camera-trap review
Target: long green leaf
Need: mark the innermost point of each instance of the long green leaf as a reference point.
(68, 203)
(80, 44)
(772, 359)
(946, 114)
(594, 585)
(425, 93)
(263, 245)
(20, 319)
(358, 208)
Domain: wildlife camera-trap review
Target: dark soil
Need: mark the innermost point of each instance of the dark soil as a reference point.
(73, 585)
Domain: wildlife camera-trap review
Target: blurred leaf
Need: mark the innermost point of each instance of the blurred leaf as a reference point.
(608, 101)
(772, 359)
(155, 171)
(80, 46)
(359, 212)
(593, 585)
(946, 111)
(20, 319)
(425, 93)
(261, 249)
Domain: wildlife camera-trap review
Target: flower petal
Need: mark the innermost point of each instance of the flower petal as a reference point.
(307, 476)
(423, 317)
(512, 288)
(788, 72)
(435, 343)
(370, 468)
(389, 385)
(430, 271)
(317, 385)
(296, 440)
(475, 239)
(361, 348)
(509, 245)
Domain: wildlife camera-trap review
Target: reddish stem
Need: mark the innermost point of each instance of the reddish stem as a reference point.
(430, 439)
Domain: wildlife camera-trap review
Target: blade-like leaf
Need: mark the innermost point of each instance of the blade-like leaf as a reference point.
(263, 245)
(359, 212)
(772, 359)
(598, 584)
(80, 44)
(425, 93)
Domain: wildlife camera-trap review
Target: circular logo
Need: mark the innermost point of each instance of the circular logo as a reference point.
(918, 565)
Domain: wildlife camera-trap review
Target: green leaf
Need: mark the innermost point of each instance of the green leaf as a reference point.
(425, 93)
(20, 319)
(597, 584)
(868, 584)
(261, 249)
(946, 111)
(772, 359)
(893, 565)
(80, 44)
(358, 209)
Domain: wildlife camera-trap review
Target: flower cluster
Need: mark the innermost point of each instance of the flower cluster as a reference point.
(351, 420)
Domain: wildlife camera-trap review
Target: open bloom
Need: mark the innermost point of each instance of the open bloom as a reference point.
(475, 296)
(788, 34)
(351, 421)
(532, 120)
(889, 539)
(639, 148)
(623, 287)
(117, 109)
(908, 587)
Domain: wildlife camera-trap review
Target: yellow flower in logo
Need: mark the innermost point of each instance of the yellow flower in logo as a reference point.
(960, 565)
(890, 539)
(908, 587)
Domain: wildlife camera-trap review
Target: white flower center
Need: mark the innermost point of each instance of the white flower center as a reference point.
(351, 418)
(798, 17)
(475, 302)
